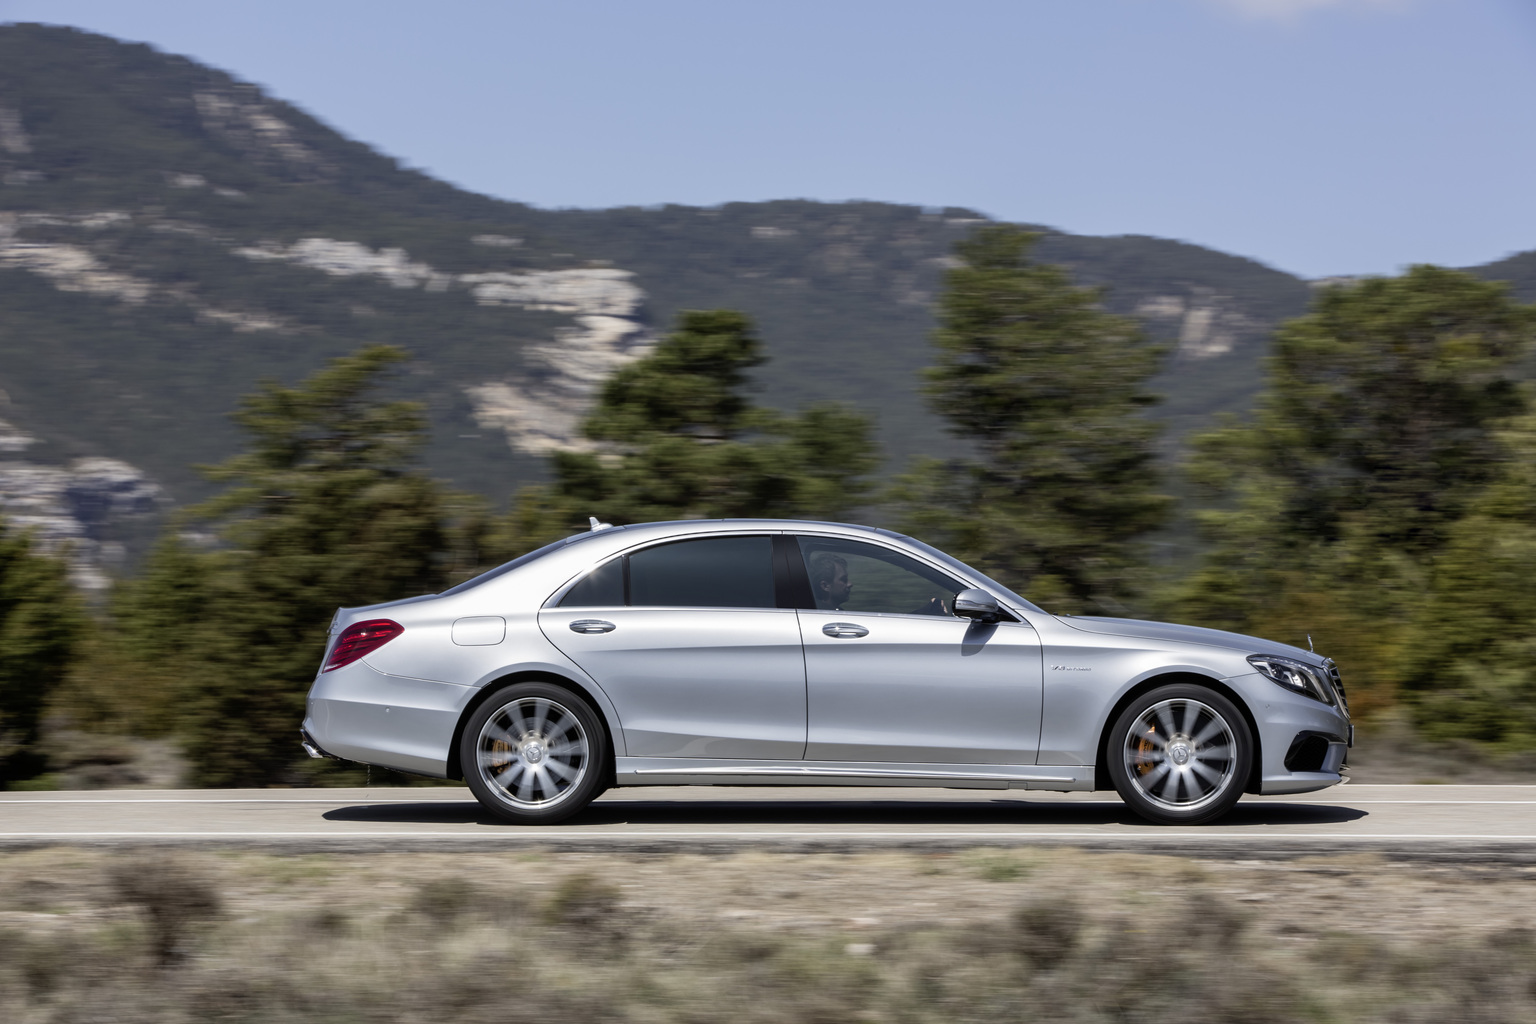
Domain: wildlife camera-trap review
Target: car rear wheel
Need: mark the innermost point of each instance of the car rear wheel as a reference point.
(534, 753)
(1180, 755)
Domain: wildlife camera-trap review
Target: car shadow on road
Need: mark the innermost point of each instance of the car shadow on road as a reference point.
(933, 814)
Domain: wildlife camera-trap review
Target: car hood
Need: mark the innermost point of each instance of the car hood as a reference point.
(1188, 635)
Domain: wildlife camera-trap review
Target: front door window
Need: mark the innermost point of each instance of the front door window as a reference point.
(849, 576)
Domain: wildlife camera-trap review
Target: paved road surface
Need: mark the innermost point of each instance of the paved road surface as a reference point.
(1425, 820)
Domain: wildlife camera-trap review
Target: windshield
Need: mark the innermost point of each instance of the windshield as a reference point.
(997, 588)
(517, 563)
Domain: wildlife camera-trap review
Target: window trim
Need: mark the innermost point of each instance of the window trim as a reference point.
(891, 541)
(791, 580)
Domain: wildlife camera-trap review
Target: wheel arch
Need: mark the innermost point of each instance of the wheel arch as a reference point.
(490, 689)
(1101, 779)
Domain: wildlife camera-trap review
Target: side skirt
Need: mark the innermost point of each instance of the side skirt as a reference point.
(697, 771)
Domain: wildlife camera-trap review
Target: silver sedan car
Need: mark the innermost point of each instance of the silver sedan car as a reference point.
(768, 652)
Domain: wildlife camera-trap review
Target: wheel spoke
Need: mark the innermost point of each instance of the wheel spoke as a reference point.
(563, 772)
(540, 716)
(500, 735)
(1221, 752)
(1212, 728)
(1172, 787)
(496, 758)
(1206, 772)
(564, 727)
(504, 779)
(1165, 719)
(1191, 715)
(567, 751)
(1149, 781)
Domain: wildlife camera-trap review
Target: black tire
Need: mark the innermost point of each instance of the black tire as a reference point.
(1180, 754)
(535, 753)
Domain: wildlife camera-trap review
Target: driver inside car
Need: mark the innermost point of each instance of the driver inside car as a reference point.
(832, 588)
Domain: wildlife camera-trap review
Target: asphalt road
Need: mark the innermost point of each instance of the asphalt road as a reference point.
(1423, 820)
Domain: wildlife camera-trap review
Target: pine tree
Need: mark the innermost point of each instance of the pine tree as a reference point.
(1470, 672)
(680, 439)
(1049, 391)
(1381, 429)
(323, 509)
(41, 622)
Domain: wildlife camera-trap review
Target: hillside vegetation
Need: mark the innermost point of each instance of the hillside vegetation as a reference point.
(133, 313)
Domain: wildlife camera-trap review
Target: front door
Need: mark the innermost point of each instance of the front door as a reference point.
(893, 676)
(687, 641)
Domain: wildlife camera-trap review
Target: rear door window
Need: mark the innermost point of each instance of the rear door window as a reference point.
(603, 588)
(709, 572)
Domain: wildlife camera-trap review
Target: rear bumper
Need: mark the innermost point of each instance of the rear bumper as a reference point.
(357, 713)
(311, 745)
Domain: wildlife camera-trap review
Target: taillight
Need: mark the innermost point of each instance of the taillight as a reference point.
(362, 638)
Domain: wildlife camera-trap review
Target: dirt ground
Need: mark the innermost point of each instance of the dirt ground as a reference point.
(166, 936)
(1289, 900)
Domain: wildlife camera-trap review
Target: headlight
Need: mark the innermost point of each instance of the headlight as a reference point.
(1294, 675)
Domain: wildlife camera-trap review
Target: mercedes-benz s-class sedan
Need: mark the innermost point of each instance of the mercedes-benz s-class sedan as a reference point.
(768, 652)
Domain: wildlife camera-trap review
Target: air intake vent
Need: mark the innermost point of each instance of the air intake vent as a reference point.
(1307, 753)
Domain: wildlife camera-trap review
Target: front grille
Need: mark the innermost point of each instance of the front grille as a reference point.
(1338, 686)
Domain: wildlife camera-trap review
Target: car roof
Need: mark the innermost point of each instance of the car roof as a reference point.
(708, 525)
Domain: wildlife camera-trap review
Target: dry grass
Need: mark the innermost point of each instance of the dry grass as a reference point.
(986, 935)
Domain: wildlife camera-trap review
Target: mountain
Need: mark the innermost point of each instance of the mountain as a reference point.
(170, 235)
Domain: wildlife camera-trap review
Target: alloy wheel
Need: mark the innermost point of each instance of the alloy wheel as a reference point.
(533, 753)
(1180, 754)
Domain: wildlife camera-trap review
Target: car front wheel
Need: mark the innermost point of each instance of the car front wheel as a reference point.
(1180, 755)
(534, 753)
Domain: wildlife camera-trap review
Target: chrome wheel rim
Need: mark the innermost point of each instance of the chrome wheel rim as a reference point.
(1181, 754)
(533, 752)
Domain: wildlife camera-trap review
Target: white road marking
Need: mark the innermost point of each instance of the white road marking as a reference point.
(638, 799)
(243, 800)
(1202, 834)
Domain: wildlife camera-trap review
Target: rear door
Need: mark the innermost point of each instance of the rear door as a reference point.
(687, 639)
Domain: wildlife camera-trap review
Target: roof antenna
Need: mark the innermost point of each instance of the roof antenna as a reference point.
(604, 526)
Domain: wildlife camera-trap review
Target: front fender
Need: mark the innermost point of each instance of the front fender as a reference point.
(1086, 678)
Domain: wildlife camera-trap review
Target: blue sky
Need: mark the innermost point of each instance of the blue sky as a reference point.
(1319, 136)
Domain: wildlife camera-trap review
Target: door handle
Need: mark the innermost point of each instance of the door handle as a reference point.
(844, 630)
(592, 626)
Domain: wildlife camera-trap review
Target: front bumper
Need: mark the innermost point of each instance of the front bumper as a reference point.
(1284, 718)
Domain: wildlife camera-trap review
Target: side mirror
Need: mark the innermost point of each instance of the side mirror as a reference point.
(978, 605)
